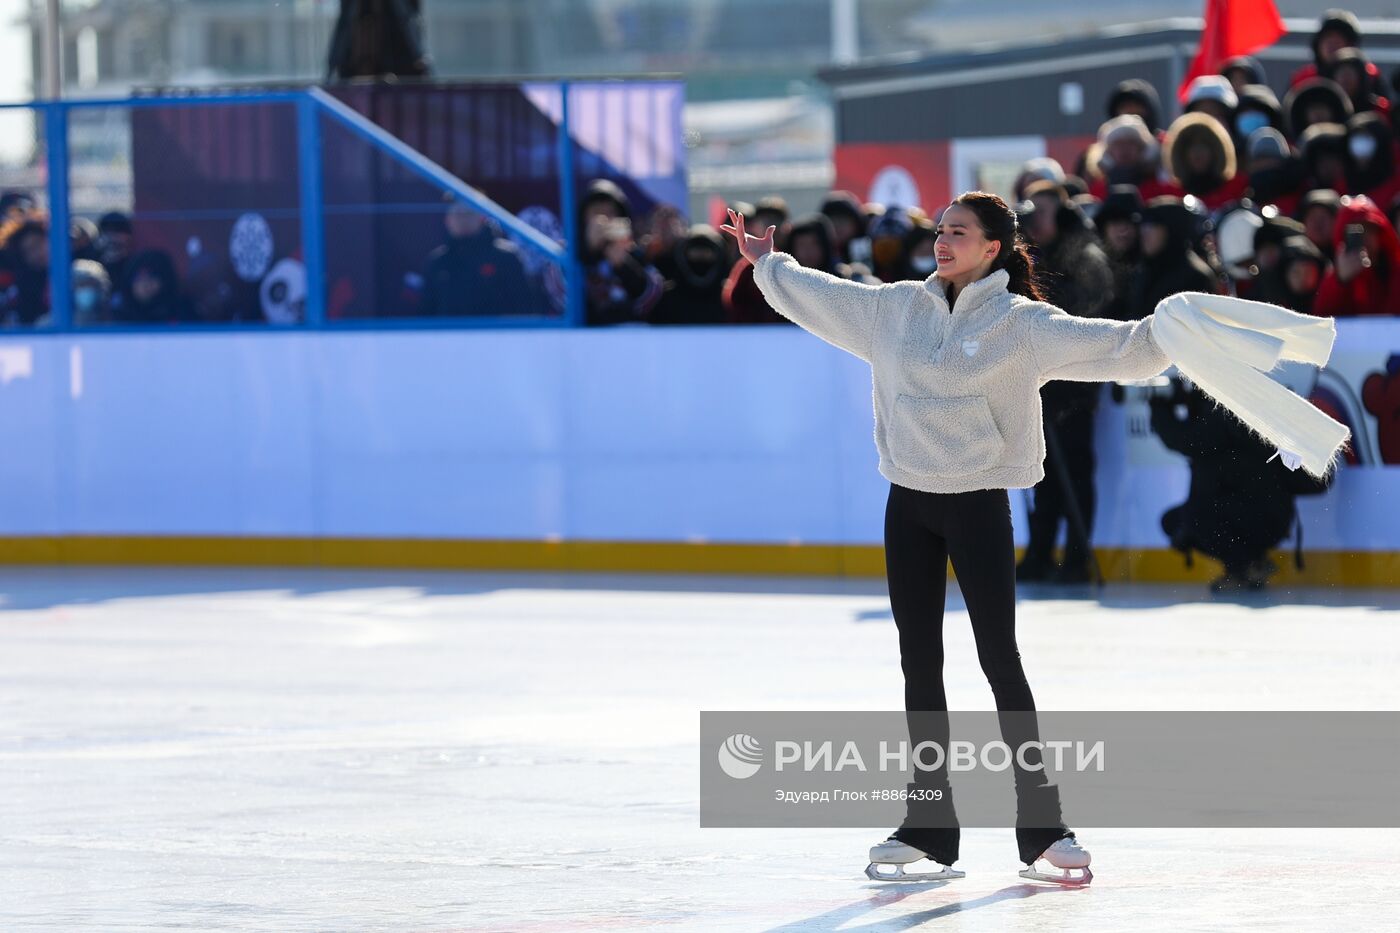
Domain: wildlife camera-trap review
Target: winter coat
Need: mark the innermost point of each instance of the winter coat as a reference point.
(477, 275)
(168, 306)
(956, 391)
(694, 294)
(743, 302)
(1238, 495)
(1176, 269)
(1078, 279)
(1375, 290)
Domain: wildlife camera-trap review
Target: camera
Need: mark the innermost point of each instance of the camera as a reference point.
(619, 228)
(1355, 238)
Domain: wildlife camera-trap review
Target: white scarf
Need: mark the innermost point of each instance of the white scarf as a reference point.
(1226, 345)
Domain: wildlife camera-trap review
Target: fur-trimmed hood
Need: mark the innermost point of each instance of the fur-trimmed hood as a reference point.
(1192, 129)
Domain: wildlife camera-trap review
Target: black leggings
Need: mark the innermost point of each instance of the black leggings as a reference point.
(923, 530)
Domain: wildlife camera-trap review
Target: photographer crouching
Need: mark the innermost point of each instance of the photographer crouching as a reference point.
(1241, 501)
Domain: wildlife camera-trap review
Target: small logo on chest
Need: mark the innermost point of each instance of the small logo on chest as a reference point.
(970, 347)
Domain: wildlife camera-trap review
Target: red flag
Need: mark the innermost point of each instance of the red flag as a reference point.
(719, 211)
(1233, 27)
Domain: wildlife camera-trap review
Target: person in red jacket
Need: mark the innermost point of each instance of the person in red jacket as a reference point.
(1361, 281)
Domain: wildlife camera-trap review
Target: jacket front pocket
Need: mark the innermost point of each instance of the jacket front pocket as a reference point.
(944, 436)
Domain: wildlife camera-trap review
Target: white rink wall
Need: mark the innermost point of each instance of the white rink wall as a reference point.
(743, 434)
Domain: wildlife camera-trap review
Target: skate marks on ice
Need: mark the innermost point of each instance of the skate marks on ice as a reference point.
(886, 896)
(1150, 880)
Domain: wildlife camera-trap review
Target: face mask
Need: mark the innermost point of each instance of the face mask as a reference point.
(924, 264)
(85, 299)
(1363, 146)
(1251, 120)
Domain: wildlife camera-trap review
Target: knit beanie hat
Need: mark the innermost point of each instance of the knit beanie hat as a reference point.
(1246, 63)
(114, 222)
(1142, 93)
(1124, 202)
(1275, 230)
(1171, 212)
(843, 203)
(1319, 197)
(1212, 87)
(1259, 97)
(1267, 143)
(608, 191)
(1047, 187)
(1044, 167)
(1296, 248)
(1323, 139)
(894, 222)
(1128, 125)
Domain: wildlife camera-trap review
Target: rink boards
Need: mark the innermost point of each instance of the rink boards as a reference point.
(709, 449)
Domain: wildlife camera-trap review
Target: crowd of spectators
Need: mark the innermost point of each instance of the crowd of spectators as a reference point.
(1291, 201)
(1294, 202)
(111, 281)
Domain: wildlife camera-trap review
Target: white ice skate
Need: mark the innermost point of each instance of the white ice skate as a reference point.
(1066, 855)
(897, 854)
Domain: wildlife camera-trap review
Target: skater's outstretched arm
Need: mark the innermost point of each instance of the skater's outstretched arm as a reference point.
(1088, 349)
(839, 311)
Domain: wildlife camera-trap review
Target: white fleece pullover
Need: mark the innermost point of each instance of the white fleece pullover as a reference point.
(957, 392)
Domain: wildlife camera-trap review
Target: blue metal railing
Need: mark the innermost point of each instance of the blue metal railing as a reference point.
(313, 231)
(311, 104)
(60, 247)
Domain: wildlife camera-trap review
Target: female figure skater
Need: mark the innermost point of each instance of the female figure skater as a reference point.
(957, 363)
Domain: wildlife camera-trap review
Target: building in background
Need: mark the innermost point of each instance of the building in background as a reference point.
(764, 52)
(918, 131)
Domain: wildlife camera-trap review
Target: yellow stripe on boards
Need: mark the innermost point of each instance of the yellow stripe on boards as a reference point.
(1119, 565)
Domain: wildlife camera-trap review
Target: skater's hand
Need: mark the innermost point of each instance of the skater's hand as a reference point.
(752, 247)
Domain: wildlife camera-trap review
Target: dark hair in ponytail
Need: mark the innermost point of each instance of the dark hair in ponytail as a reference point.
(998, 222)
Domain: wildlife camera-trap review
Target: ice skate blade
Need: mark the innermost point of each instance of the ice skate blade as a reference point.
(872, 871)
(1060, 876)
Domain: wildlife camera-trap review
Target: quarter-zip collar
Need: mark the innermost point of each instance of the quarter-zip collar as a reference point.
(974, 295)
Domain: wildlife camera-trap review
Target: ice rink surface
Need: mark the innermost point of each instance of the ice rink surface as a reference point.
(299, 750)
